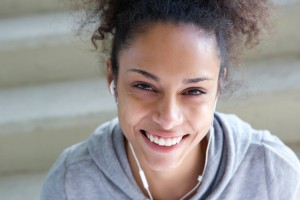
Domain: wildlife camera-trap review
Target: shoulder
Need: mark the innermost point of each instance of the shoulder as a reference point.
(81, 152)
(270, 144)
(54, 184)
(279, 163)
(282, 169)
(74, 162)
(232, 124)
(275, 149)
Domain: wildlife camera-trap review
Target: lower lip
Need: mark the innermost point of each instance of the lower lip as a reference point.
(163, 149)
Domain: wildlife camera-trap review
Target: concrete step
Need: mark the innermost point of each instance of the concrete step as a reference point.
(283, 40)
(38, 122)
(286, 2)
(12, 8)
(267, 95)
(42, 48)
(24, 186)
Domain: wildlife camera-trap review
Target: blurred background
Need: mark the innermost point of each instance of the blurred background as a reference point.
(53, 92)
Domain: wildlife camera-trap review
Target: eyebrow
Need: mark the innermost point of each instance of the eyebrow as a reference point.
(155, 78)
(196, 80)
(145, 74)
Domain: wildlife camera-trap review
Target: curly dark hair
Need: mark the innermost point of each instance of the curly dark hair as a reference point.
(234, 23)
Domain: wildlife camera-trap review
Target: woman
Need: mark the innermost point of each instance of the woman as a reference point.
(167, 66)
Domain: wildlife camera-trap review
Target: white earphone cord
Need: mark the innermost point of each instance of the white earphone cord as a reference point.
(142, 174)
(145, 183)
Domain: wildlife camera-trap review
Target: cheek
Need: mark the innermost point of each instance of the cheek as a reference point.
(200, 117)
(130, 113)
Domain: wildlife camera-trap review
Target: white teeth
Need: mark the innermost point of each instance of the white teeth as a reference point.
(164, 141)
(151, 138)
(168, 142)
(174, 141)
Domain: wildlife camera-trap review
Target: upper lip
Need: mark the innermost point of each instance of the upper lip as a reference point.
(164, 134)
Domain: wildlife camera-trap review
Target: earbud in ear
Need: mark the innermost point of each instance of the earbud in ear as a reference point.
(112, 87)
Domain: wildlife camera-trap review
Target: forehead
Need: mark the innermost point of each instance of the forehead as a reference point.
(171, 47)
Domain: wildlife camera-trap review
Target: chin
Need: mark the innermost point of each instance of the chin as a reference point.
(166, 165)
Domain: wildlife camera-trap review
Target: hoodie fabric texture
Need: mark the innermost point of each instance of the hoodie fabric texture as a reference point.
(242, 164)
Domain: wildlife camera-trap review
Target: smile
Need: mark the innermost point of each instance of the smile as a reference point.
(164, 141)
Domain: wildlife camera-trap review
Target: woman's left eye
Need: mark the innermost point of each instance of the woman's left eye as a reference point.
(193, 92)
(144, 86)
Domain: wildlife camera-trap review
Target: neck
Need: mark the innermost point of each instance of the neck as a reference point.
(165, 184)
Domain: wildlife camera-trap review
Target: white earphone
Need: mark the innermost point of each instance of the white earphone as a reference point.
(112, 87)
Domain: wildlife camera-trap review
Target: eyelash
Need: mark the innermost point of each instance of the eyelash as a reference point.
(143, 86)
(190, 91)
(193, 92)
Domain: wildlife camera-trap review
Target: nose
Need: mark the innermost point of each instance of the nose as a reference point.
(168, 113)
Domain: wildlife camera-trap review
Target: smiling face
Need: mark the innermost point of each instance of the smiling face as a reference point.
(166, 87)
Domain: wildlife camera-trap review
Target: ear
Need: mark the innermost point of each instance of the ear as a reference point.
(109, 72)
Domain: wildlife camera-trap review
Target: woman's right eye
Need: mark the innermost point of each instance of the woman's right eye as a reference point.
(144, 86)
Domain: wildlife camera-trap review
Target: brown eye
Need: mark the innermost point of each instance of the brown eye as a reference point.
(193, 92)
(144, 86)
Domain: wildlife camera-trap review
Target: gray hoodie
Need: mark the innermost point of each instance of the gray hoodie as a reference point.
(242, 164)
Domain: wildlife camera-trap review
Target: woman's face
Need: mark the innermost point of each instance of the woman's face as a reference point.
(166, 88)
